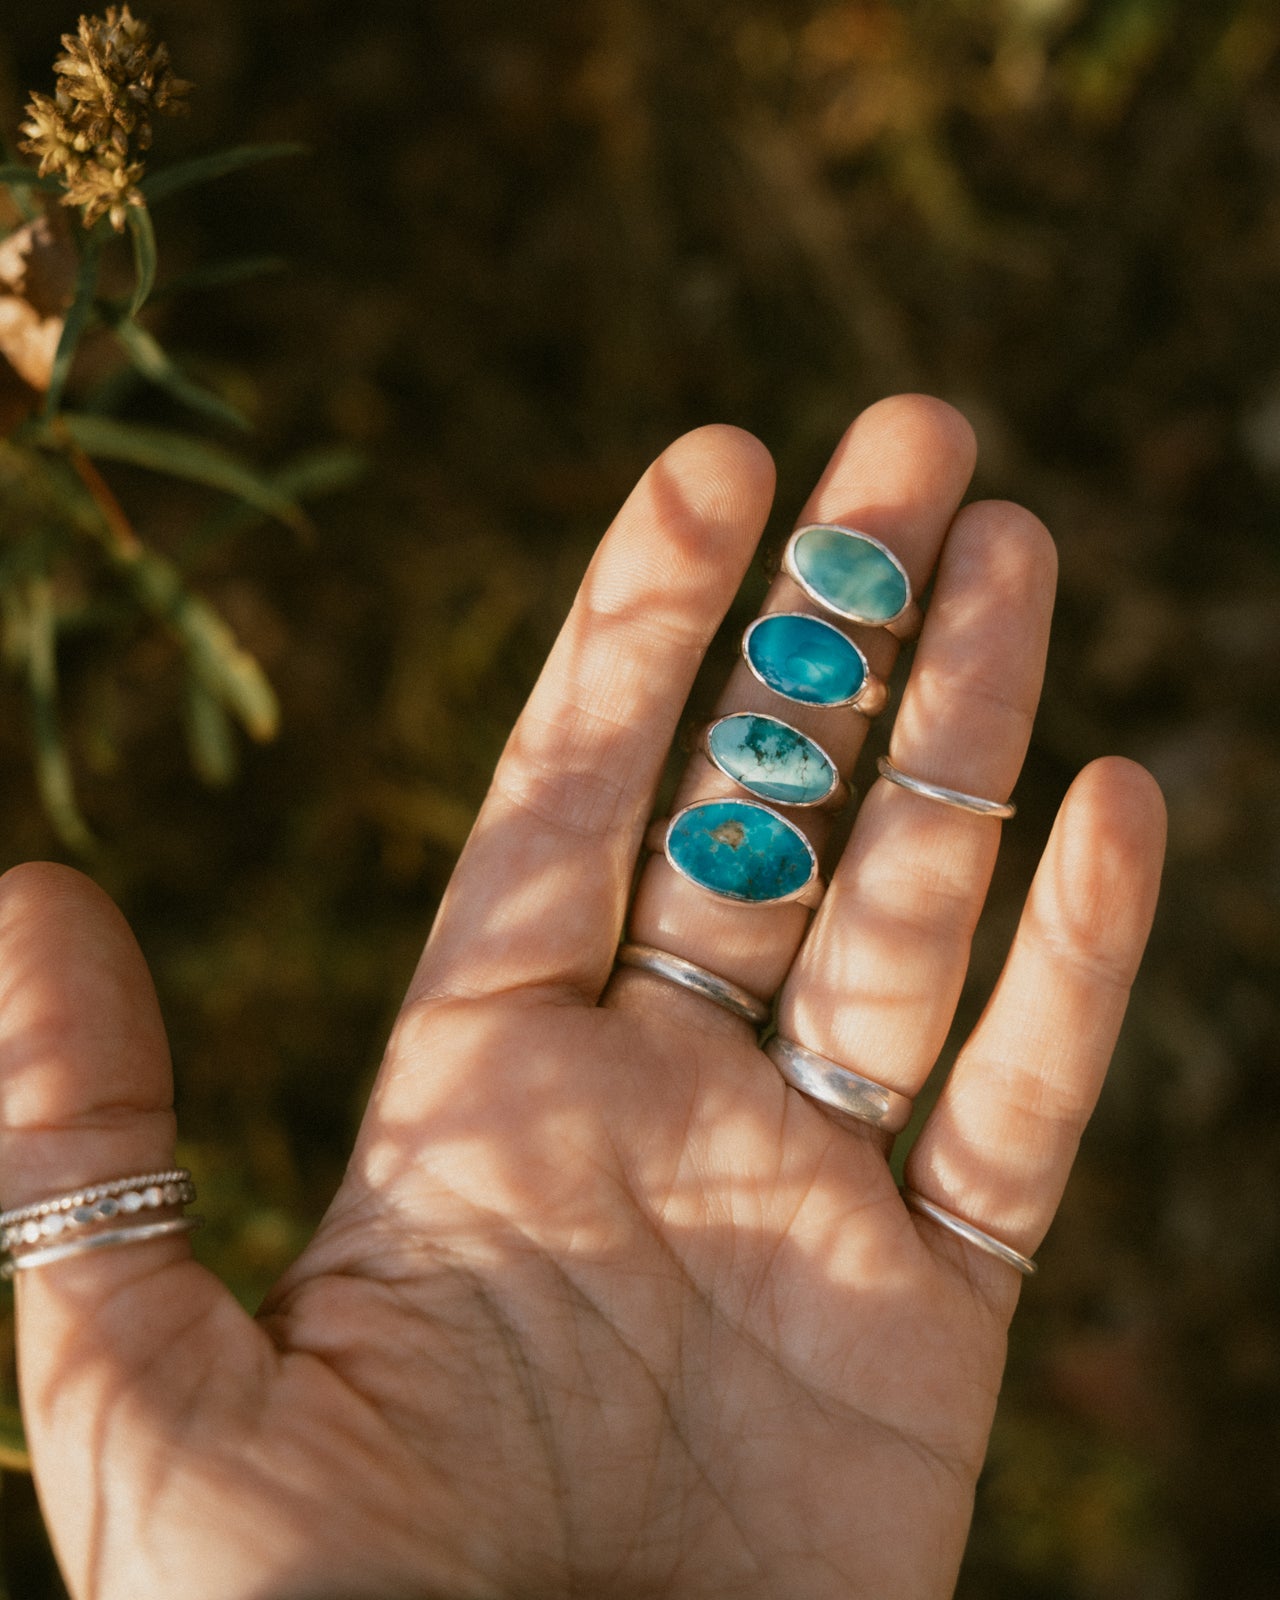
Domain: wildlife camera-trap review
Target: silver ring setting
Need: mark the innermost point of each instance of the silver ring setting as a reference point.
(837, 1088)
(697, 980)
(117, 1211)
(956, 798)
(969, 1233)
(849, 573)
(812, 662)
(774, 761)
(740, 850)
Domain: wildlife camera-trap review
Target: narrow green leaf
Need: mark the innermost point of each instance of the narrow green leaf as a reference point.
(144, 256)
(329, 470)
(209, 735)
(16, 175)
(53, 767)
(214, 655)
(160, 185)
(77, 320)
(220, 275)
(181, 456)
(151, 359)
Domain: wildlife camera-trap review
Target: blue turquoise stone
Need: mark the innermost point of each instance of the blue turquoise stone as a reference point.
(805, 659)
(740, 850)
(849, 573)
(771, 759)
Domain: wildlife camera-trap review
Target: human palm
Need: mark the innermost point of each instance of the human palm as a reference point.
(603, 1307)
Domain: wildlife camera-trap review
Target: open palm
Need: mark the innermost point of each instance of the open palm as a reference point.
(603, 1307)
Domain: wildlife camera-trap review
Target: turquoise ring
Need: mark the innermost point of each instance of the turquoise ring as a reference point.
(774, 761)
(741, 851)
(809, 660)
(852, 575)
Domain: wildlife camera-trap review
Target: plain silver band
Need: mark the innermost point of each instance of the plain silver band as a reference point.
(97, 1241)
(688, 975)
(948, 797)
(837, 1087)
(971, 1235)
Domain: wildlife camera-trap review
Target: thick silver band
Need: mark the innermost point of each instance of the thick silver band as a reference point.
(971, 1235)
(688, 975)
(947, 797)
(134, 1233)
(838, 1088)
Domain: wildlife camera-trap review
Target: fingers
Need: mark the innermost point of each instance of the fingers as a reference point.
(998, 1146)
(539, 895)
(85, 1096)
(876, 984)
(898, 474)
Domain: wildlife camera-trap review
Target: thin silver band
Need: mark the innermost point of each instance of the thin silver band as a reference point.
(948, 797)
(688, 975)
(971, 1235)
(838, 1088)
(135, 1233)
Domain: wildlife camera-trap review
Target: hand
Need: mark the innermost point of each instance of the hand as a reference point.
(602, 1306)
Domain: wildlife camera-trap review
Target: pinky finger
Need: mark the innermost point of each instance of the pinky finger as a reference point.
(998, 1146)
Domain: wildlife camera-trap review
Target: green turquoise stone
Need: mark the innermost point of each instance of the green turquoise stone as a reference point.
(848, 572)
(740, 850)
(770, 759)
(804, 658)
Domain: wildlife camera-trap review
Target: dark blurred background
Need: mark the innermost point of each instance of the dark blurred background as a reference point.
(530, 244)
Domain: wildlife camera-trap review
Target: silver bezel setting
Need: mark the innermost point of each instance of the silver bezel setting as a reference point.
(732, 899)
(833, 791)
(793, 572)
(872, 690)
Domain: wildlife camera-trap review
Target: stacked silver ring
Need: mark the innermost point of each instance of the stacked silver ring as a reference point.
(117, 1211)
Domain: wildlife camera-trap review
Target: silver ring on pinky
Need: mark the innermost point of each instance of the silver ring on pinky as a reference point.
(837, 1088)
(133, 1233)
(955, 798)
(971, 1235)
(697, 980)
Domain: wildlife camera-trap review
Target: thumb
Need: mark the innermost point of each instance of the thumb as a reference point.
(86, 1095)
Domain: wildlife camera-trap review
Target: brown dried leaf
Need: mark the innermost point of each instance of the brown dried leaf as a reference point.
(37, 281)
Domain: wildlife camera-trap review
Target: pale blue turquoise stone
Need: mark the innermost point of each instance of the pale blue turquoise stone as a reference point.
(849, 573)
(771, 760)
(741, 850)
(805, 659)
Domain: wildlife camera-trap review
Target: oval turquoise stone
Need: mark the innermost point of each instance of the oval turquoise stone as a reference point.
(740, 850)
(849, 573)
(771, 759)
(805, 659)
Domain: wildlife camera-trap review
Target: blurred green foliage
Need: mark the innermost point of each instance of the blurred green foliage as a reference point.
(530, 245)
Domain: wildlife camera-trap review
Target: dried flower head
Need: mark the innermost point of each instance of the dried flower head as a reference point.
(91, 131)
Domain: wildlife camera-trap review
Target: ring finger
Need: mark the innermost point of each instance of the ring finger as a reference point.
(876, 984)
(898, 474)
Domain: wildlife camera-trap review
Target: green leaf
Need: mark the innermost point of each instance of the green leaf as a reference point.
(180, 456)
(154, 362)
(328, 470)
(77, 320)
(221, 274)
(144, 256)
(209, 734)
(16, 175)
(214, 656)
(14, 1456)
(53, 767)
(160, 185)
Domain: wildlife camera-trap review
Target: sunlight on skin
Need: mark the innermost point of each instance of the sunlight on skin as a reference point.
(602, 1306)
